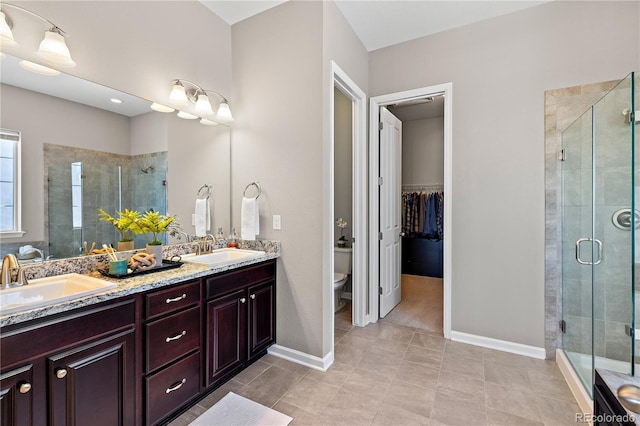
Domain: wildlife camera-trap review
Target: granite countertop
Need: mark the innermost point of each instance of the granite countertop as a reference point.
(133, 285)
(614, 381)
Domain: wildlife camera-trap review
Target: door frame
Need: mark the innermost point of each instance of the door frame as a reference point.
(374, 201)
(340, 80)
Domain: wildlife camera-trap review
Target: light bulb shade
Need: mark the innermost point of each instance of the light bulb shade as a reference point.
(161, 108)
(178, 93)
(186, 115)
(224, 112)
(6, 35)
(38, 69)
(203, 107)
(208, 122)
(53, 49)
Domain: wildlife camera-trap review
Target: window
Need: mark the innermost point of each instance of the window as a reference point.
(10, 184)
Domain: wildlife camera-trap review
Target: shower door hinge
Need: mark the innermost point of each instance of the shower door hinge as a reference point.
(380, 236)
(380, 290)
(380, 125)
(563, 326)
(628, 330)
(380, 180)
(562, 155)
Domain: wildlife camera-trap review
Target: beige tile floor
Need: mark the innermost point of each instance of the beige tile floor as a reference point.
(389, 374)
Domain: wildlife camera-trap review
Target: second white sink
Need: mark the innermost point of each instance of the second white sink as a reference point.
(50, 290)
(221, 257)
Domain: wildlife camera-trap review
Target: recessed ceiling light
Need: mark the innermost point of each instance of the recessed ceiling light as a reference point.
(116, 100)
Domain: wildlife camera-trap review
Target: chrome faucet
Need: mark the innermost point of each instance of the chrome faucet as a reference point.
(9, 262)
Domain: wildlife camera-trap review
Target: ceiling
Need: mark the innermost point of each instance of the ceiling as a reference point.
(384, 23)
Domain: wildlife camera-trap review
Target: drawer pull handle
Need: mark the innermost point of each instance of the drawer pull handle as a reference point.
(25, 388)
(176, 337)
(243, 300)
(177, 299)
(253, 297)
(176, 387)
(61, 373)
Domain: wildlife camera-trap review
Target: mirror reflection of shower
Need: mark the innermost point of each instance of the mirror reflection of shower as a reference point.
(146, 170)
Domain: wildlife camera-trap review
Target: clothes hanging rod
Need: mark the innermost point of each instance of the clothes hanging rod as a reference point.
(423, 187)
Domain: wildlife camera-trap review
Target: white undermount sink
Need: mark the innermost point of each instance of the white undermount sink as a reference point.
(49, 291)
(221, 257)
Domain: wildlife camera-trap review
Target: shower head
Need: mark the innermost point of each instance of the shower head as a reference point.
(147, 170)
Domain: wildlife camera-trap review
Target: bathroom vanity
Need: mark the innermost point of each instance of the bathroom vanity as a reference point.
(140, 354)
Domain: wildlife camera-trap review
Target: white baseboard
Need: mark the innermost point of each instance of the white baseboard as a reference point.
(311, 361)
(579, 392)
(500, 345)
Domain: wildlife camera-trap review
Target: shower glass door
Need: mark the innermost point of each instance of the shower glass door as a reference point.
(577, 229)
(599, 221)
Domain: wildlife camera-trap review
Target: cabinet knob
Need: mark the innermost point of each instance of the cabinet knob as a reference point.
(176, 386)
(24, 388)
(176, 337)
(61, 373)
(177, 299)
(253, 297)
(243, 300)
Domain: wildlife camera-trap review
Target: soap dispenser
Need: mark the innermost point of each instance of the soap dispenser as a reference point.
(232, 241)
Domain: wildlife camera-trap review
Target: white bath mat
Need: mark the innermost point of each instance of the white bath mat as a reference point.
(234, 410)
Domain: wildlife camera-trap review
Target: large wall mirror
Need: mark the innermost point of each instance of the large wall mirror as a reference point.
(83, 152)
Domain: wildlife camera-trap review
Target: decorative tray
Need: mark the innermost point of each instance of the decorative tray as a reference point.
(166, 265)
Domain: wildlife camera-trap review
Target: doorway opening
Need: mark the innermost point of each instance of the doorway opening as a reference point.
(385, 222)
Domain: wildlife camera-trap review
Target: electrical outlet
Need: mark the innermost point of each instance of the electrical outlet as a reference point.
(276, 221)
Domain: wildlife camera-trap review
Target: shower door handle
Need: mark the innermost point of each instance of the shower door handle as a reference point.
(598, 252)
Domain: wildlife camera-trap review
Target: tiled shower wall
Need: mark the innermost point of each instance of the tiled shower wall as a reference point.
(100, 180)
(562, 108)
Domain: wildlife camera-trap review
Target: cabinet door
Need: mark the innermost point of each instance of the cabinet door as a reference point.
(93, 384)
(226, 334)
(16, 396)
(262, 303)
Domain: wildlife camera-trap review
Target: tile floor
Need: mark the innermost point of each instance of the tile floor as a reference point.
(389, 374)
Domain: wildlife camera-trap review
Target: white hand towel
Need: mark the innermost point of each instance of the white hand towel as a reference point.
(250, 219)
(202, 217)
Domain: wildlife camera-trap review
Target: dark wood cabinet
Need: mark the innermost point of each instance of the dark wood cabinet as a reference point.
(16, 396)
(240, 319)
(172, 338)
(72, 368)
(93, 384)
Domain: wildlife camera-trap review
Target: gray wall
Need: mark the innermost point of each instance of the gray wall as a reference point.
(500, 69)
(343, 161)
(281, 77)
(423, 151)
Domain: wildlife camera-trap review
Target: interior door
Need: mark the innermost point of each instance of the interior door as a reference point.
(390, 206)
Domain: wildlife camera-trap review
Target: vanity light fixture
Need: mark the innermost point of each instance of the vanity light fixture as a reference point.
(208, 122)
(38, 69)
(53, 48)
(186, 115)
(161, 108)
(185, 90)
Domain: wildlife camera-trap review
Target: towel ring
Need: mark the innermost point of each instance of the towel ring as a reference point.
(257, 185)
(207, 193)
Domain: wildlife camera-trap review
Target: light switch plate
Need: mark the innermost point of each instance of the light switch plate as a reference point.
(276, 221)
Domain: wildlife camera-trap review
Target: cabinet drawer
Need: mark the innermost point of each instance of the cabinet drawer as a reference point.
(172, 299)
(170, 338)
(220, 284)
(170, 388)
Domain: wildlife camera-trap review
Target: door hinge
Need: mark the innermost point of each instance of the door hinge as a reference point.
(563, 326)
(380, 125)
(380, 236)
(380, 290)
(629, 331)
(380, 180)
(562, 155)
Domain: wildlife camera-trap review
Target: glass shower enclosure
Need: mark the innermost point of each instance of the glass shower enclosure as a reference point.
(600, 224)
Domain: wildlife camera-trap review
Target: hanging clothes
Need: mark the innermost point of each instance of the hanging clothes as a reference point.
(423, 214)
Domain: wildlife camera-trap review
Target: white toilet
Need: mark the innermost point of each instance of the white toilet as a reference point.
(342, 271)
